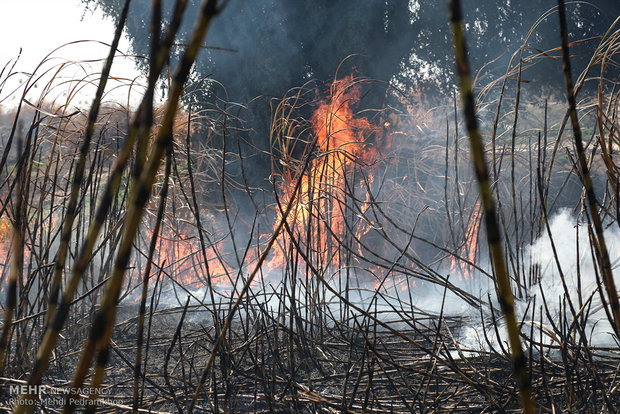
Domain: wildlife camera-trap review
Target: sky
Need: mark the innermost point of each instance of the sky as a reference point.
(40, 26)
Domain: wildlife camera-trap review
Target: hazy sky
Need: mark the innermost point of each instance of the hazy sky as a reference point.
(40, 26)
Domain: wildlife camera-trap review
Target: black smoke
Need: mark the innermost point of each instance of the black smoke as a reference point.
(264, 48)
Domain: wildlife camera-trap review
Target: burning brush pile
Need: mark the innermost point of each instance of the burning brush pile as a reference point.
(141, 271)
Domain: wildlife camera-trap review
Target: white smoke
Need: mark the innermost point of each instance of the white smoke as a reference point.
(478, 330)
(573, 256)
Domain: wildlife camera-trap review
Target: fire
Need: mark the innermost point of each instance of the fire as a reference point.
(7, 254)
(318, 217)
(184, 259)
(469, 249)
(5, 238)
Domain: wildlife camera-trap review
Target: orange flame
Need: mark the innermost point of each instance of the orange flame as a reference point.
(185, 262)
(6, 232)
(469, 249)
(317, 218)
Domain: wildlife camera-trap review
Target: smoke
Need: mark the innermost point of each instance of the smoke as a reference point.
(573, 250)
(545, 309)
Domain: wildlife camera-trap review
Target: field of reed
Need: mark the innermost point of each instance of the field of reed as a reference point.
(373, 271)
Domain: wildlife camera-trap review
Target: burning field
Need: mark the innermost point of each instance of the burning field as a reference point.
(150, 264)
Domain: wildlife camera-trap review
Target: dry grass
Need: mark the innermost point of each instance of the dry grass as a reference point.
(361, 283)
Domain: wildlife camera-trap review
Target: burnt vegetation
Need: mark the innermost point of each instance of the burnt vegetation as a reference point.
(311, 237)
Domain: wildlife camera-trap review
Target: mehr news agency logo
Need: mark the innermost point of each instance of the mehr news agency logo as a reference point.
(46, 396)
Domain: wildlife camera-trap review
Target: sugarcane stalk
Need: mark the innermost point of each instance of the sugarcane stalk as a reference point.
(494, 237)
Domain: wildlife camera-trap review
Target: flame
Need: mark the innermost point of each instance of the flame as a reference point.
(184, 259)
(469, 249)
(317, 218)
(6, 232)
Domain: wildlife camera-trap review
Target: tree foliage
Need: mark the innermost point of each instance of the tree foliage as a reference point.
(280, 44)
(266, 47)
